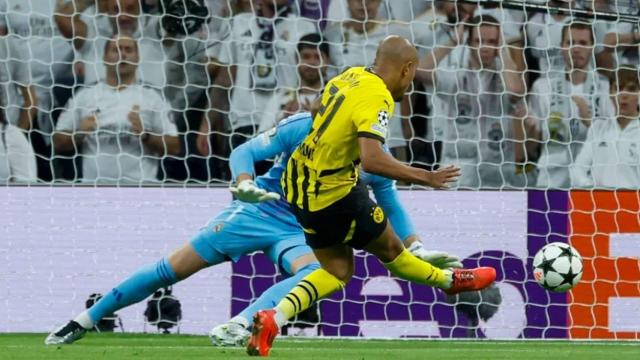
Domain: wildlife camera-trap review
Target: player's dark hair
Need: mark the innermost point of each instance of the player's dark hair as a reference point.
(481, 20)
(313, 41)
(577, 25)
(626, 78)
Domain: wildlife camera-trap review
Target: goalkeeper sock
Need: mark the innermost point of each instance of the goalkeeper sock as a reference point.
(134, 289)
(275, 293)
(409, 267)
(312, 288)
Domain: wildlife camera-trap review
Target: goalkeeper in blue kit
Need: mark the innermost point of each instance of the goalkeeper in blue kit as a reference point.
(259, 220)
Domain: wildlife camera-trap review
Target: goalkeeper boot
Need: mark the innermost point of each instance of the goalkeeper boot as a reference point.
(66, 334)
(471, 279)
(263, 333)
(229, 334)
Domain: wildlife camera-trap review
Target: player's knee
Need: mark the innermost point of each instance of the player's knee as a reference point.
(186, 261)
(166, 272)
(342, 274)
(386, 247)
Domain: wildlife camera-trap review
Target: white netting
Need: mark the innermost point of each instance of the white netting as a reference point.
(511, 104)
(511, 119)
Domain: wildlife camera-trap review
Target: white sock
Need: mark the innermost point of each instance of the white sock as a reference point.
(448, 275)
(281, 318)
(84, 320)
(240, 321)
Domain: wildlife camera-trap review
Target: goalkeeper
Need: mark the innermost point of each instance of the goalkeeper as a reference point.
(249, 224)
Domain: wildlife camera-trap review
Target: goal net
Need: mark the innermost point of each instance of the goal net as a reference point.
(118, 119)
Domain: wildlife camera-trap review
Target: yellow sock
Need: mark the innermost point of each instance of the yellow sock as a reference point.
(313, 287)
(409, 267)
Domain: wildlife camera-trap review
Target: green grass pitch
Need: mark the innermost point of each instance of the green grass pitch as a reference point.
(175, 347)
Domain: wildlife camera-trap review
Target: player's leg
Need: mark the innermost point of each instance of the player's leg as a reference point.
(202, 251)
(300, 268)
(336, 263)
(401, 263)
(297, 262)
(336, 269)
(178, 266)
(329, 233)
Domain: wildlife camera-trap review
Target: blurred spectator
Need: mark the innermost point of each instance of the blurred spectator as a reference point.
(75, 18)
(90, 31)
(562, 106)
(260, 49)
(31, 24)
(121, 128)
(17, 159)
(17, 97)
(316, 10)
(234, 7)
(313, 60)
(219, 11)
(623, 38)
(610, 157)
(476, 96)
(175, 50)
(544, 30)
(511, 22)
(427, 131)
(399, 10)
(604, 59)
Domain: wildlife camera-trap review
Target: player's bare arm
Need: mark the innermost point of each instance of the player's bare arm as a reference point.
(376, 161)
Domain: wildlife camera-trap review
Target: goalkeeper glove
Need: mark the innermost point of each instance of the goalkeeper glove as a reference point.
(247, 191)
(439, 259)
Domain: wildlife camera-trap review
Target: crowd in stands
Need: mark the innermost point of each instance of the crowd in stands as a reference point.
(160, 91)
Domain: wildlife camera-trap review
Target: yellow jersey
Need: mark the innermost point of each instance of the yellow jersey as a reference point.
(323, 169)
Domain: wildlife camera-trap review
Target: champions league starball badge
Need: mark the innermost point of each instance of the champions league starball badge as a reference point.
(383, 118)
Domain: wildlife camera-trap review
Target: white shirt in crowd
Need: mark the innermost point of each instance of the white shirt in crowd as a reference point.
(14, 71)
(610, 157)
(473, 114)
(401, 10)
(257, 77)
(563, 133)
(17, 160)
(114, 153)
(177, 67)
(626, 55)
(274, 111)
(49, 53)
(510, 22)
(99, 31)
(32, 20)
(544, 37)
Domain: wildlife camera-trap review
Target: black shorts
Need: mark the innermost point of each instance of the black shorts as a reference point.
(354, 220)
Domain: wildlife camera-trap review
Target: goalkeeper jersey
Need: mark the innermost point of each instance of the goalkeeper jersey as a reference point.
(323, 169)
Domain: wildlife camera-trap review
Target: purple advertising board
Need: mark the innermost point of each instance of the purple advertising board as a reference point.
(485, 228)
(58, 245)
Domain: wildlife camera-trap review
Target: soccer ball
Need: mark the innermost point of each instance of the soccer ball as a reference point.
(557, 267)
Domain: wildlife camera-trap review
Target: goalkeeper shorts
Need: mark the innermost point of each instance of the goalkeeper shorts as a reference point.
(354, 220)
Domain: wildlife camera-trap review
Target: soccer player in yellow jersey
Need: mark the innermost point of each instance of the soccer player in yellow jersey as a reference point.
(334, 208)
